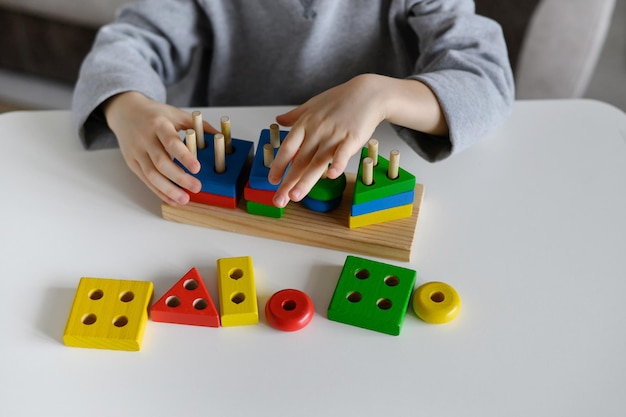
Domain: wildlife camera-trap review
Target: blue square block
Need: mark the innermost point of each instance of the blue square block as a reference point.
(258, 173)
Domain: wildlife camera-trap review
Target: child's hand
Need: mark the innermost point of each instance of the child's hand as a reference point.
(147, 133)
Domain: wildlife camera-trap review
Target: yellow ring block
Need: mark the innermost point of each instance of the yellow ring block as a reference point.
(436, 302)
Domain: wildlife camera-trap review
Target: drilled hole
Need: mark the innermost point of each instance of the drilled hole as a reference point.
(190, 284)
(289, 305)
(437, 297)
(89, 319)
(392, 280)
(362, 274)
(236, 273)
(384, 304)
(127, 296)
(172, 301)
(200, 304)
(120, 321)
(238, 298)
(96, 294)
(354, 297)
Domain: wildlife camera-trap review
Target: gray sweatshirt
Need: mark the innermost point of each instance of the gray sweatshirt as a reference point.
(283, 52)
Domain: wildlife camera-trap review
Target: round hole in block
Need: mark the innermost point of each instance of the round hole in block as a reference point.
(392, 280)
(289, 305)
(96, 294)
(172, 301)
(89, 319)
(354, 297)
(200, 304)
(127, 296)
(120, 321)
(384, 304)
(437, 297)
(238, 298)
(190, 284)
(236, 273)
(362, 274)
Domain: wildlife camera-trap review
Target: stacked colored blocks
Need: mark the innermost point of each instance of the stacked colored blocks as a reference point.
(385, 200)
(326, 194)
(259, 192)
(108, 314)
(222, 189)
(372, 295)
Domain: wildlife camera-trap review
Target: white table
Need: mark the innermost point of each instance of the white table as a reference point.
(529, 226)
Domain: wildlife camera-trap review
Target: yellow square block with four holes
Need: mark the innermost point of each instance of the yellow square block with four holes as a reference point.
(108, 314)
(238, 304)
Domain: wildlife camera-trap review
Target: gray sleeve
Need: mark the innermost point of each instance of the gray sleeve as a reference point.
(149, 46)
(463, 58)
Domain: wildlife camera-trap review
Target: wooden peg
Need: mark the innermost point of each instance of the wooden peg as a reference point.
(268, 155)
(372, 150)
(368, 171)
(394, 164)
(190, 140)
(225, 126)
(275, 135)
(198, 128)
(220, 153)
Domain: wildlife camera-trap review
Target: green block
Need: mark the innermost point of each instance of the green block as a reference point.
(372, 295)
(326, 189)
(260, 209)
(383, 186)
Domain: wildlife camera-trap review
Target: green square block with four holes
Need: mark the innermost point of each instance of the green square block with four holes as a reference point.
(372, 295)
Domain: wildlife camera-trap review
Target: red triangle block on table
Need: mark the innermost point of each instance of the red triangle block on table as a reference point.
(187, 302)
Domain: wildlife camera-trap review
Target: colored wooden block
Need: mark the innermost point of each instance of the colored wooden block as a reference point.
(384, 203)
(229, 183)
(382, 216)
(289, 310)
(321, 206)
(108, 314)
(383, 186)
(265, 210)
(436, 302)
(372, 295)
(238, 303)
(187, 302)
(258, 196)
(326, 189)
(258, 172)
(213, 199)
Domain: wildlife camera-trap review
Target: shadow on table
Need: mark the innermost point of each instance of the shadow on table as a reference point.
(54, 311)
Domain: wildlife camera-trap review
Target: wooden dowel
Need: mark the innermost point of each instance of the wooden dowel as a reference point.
(368, 171)
(190, 140)
(372, 150)
(225, 126)
(268, 155)
(275, 135)
(394, 164)
(220, 153)
(198, 128)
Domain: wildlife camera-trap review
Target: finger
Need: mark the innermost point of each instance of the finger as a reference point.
(340, 160)
(174, 146)
(288, 149)
(171, 195)
(290, 118)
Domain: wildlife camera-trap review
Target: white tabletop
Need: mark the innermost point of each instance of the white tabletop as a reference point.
(529, 226)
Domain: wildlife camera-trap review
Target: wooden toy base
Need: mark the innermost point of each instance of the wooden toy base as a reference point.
(391, 240)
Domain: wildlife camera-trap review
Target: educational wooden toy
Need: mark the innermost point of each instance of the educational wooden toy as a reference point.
(266, 210)
(372, 295)
(108, 314)
(436, 302)
(237, 291)
(259, 171)
(320, 206)
(381, 216)
(187, 302)
(289, 310)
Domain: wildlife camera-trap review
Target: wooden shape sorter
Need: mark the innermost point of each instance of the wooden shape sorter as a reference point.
(108, 314)
(238, 303)
(187, 302)
(372, 295)
(392, 240)
(383, 185)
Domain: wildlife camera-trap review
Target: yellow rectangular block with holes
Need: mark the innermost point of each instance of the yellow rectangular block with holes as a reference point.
(108, 314)
(381, 216)
(238, 304)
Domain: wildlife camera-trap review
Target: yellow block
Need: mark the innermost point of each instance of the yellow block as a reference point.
(108, 314)
(238, 304)
(381, 216)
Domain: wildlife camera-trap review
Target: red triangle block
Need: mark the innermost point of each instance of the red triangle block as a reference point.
(187, 302)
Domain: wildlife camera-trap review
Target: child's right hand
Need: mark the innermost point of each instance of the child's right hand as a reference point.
(147, 133)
